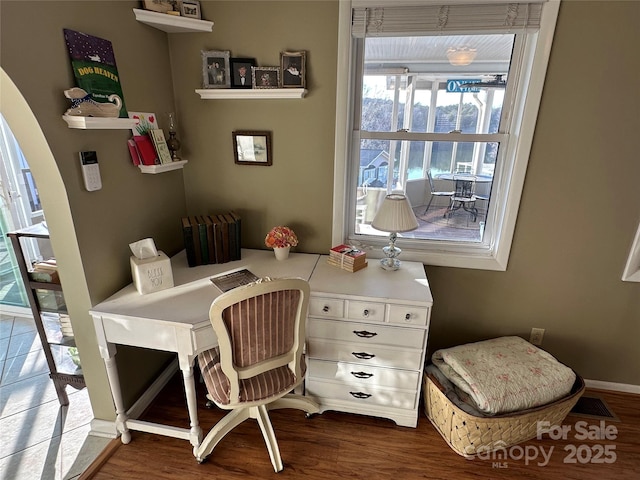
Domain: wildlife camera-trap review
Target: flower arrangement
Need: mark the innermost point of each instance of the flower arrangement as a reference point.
(279, 237)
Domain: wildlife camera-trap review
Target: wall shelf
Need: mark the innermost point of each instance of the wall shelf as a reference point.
(97, 123)
(172, 23)
(255, 93)
(165, 167)
(632, 268)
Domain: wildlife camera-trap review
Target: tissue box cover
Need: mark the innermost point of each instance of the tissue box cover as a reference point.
(152, 274)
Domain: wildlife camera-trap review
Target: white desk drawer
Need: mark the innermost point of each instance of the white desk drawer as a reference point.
(355, 374)
(369, 311)
(367, 334)
(407, 358)
(361, 395)
(326, 307)
(407, 315)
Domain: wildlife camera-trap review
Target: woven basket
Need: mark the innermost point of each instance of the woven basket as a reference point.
(468, 435)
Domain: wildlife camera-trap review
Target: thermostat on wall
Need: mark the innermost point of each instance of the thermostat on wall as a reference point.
(90, 171)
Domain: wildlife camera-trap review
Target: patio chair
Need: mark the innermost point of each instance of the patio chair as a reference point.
(463, 197)
(434, 193)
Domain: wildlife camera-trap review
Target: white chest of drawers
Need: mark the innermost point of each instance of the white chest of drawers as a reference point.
(366, 339)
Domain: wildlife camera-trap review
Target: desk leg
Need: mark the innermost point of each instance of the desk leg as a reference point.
(192, 406)
(114, 383)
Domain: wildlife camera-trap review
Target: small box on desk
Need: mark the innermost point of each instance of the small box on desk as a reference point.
(152, 274)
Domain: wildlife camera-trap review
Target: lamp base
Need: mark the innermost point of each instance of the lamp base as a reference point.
(390, 263)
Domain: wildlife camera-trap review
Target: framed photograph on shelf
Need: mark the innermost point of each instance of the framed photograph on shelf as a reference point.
(241, 72)
(160, 6)
(215, 69)
(190, 9)
(252, 148)
(265, 77)
(294, 70)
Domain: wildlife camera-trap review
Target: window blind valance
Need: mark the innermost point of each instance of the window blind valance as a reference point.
(451, 19)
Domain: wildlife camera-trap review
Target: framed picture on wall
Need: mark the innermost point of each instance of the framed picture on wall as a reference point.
(215, 69)
(190, 9)
(252, 147)
(241, 72)
(265, 77)
(294, 70)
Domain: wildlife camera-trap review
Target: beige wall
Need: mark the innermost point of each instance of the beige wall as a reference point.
(297, 189)
(579, 211)
(91, 231)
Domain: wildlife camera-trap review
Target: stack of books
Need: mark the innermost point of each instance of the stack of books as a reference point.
(45, 271)
(212, 238)
(347, 258)
(149, 148)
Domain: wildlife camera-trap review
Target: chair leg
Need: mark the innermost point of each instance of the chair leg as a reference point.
(224, 426)
(428, 205)
(299, 402)
(262, 416)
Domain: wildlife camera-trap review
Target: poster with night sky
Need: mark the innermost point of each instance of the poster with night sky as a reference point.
(94, 66)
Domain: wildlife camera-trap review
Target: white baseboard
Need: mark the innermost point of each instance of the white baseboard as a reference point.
(103, 428)
(614, 387)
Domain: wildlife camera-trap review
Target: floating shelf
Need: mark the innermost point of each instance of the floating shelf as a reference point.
(97, 123)
(172, 23)
(254, 93)
(165, 167)
(632, 268)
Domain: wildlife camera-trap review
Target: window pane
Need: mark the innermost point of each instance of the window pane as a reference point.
(404, 76)
(453, 165)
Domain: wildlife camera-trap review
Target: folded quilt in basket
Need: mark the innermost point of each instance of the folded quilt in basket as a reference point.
(504, 374)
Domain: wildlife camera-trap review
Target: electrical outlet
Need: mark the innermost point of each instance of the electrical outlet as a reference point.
(537, 334)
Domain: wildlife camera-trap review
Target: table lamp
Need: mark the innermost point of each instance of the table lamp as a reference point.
(395, 216)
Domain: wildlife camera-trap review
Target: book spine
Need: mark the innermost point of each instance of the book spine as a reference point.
(238, 221)
(187, 233)
(225, 239)
(217, 240)
(204, 242)
(196, 240)
(210, 239)
(233, 250)
(133, 151)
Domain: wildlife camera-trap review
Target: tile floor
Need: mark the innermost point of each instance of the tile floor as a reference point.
(39, 439)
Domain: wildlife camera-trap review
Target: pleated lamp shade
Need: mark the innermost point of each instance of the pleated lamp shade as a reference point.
(395, 215)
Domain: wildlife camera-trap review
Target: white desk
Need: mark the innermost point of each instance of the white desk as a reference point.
(176, 320)
(372, 322)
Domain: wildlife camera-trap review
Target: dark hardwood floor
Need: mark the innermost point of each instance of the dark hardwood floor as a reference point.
(337, 445)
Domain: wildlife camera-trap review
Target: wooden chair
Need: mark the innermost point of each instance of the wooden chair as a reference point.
(259, 359)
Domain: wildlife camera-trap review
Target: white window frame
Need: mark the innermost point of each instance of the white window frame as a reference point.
(527, 77)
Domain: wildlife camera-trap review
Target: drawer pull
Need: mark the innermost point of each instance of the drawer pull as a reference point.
(360, 395)
(407, 317)
(325, 309)
(363, 355)
(364, 333)
(365, 313)
(362, 374)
